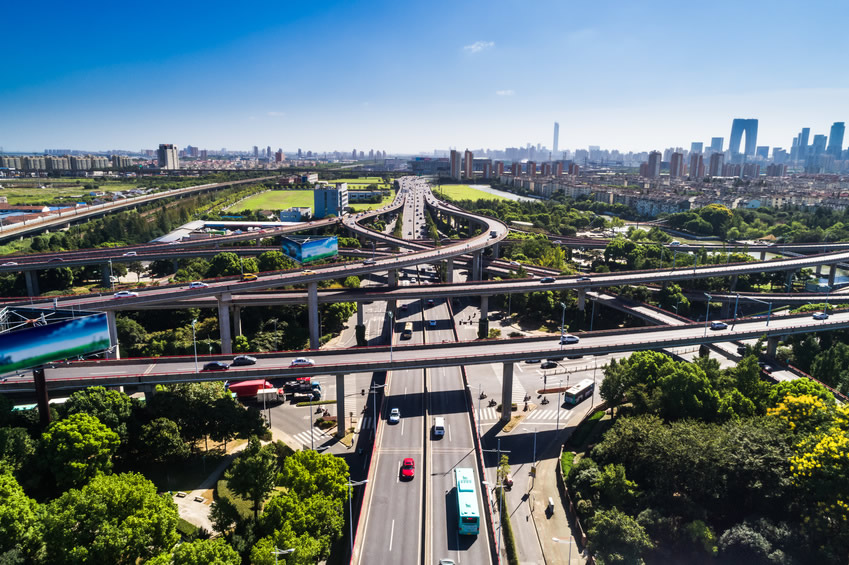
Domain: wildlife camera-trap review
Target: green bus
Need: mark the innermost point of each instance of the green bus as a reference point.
(467, 502)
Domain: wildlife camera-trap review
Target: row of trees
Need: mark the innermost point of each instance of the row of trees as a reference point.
(704, 465)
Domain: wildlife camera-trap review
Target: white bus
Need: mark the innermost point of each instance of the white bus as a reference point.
(576, 393)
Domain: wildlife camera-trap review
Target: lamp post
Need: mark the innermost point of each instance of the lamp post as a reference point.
(480, 395)
(498, 486)
(195, 343)
(535, 444)
(374, 389)
(350, 513)
(707, 311)
(111, 277)
(391, 334)
(562, 323)
(592, 315)
(277, 552)
(559, 386)
(571, 543)
(769, 309)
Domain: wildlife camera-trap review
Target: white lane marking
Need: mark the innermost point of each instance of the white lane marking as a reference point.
(402, 427)
(149, 368)
(449, 433)
(519, 366)
(391, 535)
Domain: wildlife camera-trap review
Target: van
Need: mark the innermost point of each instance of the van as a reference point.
(438, 426)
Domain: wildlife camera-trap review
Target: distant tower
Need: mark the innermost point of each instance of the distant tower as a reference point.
(750, 128)
(167, 156)
(654, 164)
(835, 139)
(696, 147)
(716, 144)
(556, 139)
(716, 162)
(468, 162)
(455, 164)
(676, 165)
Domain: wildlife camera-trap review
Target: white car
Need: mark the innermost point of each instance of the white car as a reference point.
(130, 254)
(820, 316)
(569, 338)
(302, 362)
(198, 284)
(394, 416)
(125, 294)
(9, 264)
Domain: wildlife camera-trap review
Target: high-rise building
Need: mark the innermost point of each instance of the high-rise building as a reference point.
(167, 156)
(468, 164)
(515, 168)
(455, 164)
(653, 169)
(531, 169)
(696, 147)
(556, 139)
(716, 144)
(499, 168)
(546, 169)
(762, 152)
(716, 162)
(802, 146)
(697, 166)
(835, 139)
(738, 127)
(330, 200)
(354, 154)
(256, 152)
(676, 165)
(558, 168)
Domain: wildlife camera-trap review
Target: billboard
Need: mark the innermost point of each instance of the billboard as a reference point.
(35, 346)
(304, 250)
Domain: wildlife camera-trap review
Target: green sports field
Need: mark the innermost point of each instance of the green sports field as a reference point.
(26, 191)
(465, 192)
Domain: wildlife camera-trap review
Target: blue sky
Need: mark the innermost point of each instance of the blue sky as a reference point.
(414, 76)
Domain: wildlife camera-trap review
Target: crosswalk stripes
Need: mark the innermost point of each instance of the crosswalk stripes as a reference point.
(314, 436)
(366, 423)
(546, 414)
(489, 414)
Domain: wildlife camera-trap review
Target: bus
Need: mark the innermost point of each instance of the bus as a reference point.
(467, 502)
(407, 332)
(576, 393)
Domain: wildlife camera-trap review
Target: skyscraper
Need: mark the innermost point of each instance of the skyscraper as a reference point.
(750, 128)
(653, 170)
(697, 166)
(455, 164)
(556, 139)
(802, 149)
(167, 156)
(676, 165)
(835, 139)
(468, 163)
(716, 162)
(696, 147)
(818, 146)
(716, 144)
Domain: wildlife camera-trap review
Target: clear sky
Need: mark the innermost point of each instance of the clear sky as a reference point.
(415, 76)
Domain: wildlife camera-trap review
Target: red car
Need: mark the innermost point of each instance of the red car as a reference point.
(408, 468)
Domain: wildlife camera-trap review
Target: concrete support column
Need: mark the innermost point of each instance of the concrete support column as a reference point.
(312, 309)
(832, 272)
(114, 353)
(726, 310)
(772, 345)
(763, 255)
(224, 325)
(360, 314)
(733, 285)
(507, 392)
(484, 307)
(582, 299)
(788, 281)
(41, 396)
(258, 241)
(149, 392)
(31, 278)
(393, 277)
(105, 273)
(449, 270)
(819, 270)
(175, 264)
(340, 405)
(495, 250)
(237, 320)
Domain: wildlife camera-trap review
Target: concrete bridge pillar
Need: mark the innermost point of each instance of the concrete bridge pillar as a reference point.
(312, 310)
(819, 271)
(507, 392)
(31, 278)
(484, 307)
(763, 255)
(237, 320)
(832, 272)
(105, 274)
(224, 324)
(149, 392)
(393, 277)
(449, 270)
(115, 352)
(477, 264)
(733, 285)
(340, 405)
(726, 309)
(41, 397)
(582, 299)
(175, 264)
(360, 314)
(788, 281)
(772, 345)
(495, 251)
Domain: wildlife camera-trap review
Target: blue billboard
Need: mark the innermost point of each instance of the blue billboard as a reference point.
(304, 250)
(37, 345)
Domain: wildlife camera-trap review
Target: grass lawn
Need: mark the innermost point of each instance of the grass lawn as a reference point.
(276, 200)
(465, 192)
(362, 180)
(360, 206)
(26, 191)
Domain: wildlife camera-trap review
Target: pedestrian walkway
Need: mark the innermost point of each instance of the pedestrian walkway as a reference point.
(553, 530)
(314, 437)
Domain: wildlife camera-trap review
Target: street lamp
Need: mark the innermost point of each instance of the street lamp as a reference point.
(480, 396)
(111, 277)
(195, 343)
(499, 483)
(277, 552)
(535, 444)
(571, 543)
(374, 389)
(562, 323)
(707, 310)
(350, 513)
(391, 334)
(559, 386)
(769, 304)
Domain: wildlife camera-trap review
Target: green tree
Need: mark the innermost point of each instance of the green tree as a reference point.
(116, 519)
(20, 518)
(308, 472)
(614, 487)
(16, 448)
(78, 448)
(200, 552)
(131, 335)
(252, 474)
(684, 391)
(274, 261)
(160, 440)
(798, 387)
(832, 365)
(616, 538)
(136, 267)
(351, 282)
(112, 407)
(224, 264)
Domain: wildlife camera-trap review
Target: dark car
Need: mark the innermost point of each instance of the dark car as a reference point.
(241, 360)
(548, 365)
(580, 279)
(216, 366)
(547, 280)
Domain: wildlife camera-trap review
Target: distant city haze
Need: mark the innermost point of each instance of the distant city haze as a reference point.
(412, 77)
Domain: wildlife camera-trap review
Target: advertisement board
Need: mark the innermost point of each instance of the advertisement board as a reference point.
(310, 249)
(37, 345)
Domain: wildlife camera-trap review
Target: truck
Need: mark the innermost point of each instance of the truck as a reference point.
(247, 390)
(267, 396)
(303, 387)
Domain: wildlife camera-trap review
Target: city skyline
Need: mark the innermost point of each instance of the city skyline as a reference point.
(223, 77)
